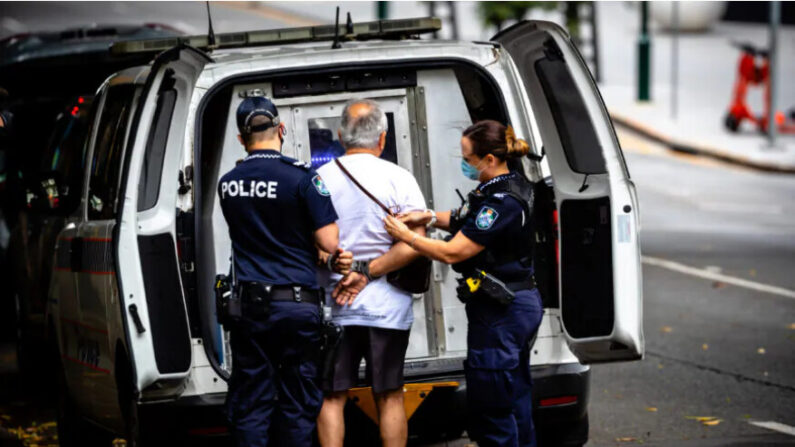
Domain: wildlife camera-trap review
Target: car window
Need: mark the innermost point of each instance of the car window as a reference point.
(149, 184)
(63, 160)
(104, 176)
(574, 125)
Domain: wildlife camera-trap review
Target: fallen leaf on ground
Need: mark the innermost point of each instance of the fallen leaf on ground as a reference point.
(752, 272)
(666, 329)
(705, 346)
(701, 418)
(760, 351)
(652, 409)
(626, 439)
(792, 326)
(659, 366)
(712, 422)
(718, 285)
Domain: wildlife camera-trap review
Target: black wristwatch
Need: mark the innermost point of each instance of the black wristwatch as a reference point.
(363, 266)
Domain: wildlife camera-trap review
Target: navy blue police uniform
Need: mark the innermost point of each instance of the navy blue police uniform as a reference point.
(273, 204)
(497, 215)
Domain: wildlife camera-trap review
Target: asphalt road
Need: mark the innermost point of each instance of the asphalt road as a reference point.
(713, 349)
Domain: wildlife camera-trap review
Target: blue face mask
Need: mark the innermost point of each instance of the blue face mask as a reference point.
(470, 172)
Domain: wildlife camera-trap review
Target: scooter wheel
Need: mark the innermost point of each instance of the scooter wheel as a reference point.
(731, 122)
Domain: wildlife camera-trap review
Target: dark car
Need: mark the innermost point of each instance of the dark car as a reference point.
(51, 79)
(50, 194)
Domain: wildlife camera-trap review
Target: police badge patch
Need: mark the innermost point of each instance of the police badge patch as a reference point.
(486, 218)
(320, 186)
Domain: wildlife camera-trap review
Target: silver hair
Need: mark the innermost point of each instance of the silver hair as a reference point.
(364, 130)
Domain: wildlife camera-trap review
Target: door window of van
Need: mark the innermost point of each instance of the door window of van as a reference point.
(574, 125)
(325, 146)
(104, 176)
(149, 184)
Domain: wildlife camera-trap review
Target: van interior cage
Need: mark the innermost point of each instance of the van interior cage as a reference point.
(396, 29)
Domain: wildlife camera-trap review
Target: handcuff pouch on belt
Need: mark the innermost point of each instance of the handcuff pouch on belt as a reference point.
(482, 285)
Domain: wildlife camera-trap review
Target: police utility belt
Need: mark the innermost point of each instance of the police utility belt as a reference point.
(252, 299)
(485, 286)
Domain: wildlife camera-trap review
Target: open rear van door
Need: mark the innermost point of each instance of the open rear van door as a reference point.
(150, 287)
(599, 252)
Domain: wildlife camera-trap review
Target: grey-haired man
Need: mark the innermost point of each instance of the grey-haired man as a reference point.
(378, 320)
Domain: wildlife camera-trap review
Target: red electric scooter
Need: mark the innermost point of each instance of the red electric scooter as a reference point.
(754, 70)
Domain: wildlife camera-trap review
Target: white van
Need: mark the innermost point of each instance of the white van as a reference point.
(131, 303)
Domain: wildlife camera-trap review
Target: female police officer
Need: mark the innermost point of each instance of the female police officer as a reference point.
(492, 248)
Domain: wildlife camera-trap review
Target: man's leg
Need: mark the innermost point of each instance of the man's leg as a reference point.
(392, 418)
(331, 423)
(385, 359)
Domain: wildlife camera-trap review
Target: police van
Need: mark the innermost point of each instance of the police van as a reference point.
(131, 305)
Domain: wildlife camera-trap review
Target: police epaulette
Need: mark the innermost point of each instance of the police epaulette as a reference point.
(297, 163)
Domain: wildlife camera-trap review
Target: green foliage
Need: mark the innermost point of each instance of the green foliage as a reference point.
(497, 13)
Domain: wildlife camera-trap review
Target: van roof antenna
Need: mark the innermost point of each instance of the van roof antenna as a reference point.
(336, 43)
(210, 33)
(349, 24)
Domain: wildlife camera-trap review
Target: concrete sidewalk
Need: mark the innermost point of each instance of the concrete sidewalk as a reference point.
(707, 73)
(698, 129)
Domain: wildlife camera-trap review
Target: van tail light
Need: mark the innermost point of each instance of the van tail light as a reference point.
(553, 401)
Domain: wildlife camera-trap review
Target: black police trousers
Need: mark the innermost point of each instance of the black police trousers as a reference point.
(274, 393)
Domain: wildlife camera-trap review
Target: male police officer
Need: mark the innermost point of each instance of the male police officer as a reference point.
(279, 213)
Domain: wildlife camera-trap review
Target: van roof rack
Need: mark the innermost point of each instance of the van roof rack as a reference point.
(380, 29)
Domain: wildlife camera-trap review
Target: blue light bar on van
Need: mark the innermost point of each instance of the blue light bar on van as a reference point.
(379, 29)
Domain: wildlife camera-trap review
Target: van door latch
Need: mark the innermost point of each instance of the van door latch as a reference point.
(184, 180)
(139, 326)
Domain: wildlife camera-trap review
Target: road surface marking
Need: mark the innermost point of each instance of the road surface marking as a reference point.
(744, 208)
(775, 426)
(716, 230)
(273, 13)
(713, 276)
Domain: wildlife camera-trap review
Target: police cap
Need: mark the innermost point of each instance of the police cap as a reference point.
(256, 106)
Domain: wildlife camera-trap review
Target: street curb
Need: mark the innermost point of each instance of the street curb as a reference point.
(697, 149)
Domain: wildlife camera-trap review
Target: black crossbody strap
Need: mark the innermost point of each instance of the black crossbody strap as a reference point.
(362, 188)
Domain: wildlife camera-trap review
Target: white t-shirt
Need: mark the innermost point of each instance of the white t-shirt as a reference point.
(362, 232)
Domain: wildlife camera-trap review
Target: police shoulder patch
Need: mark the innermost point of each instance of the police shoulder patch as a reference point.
(486, 218)
(320, 186)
